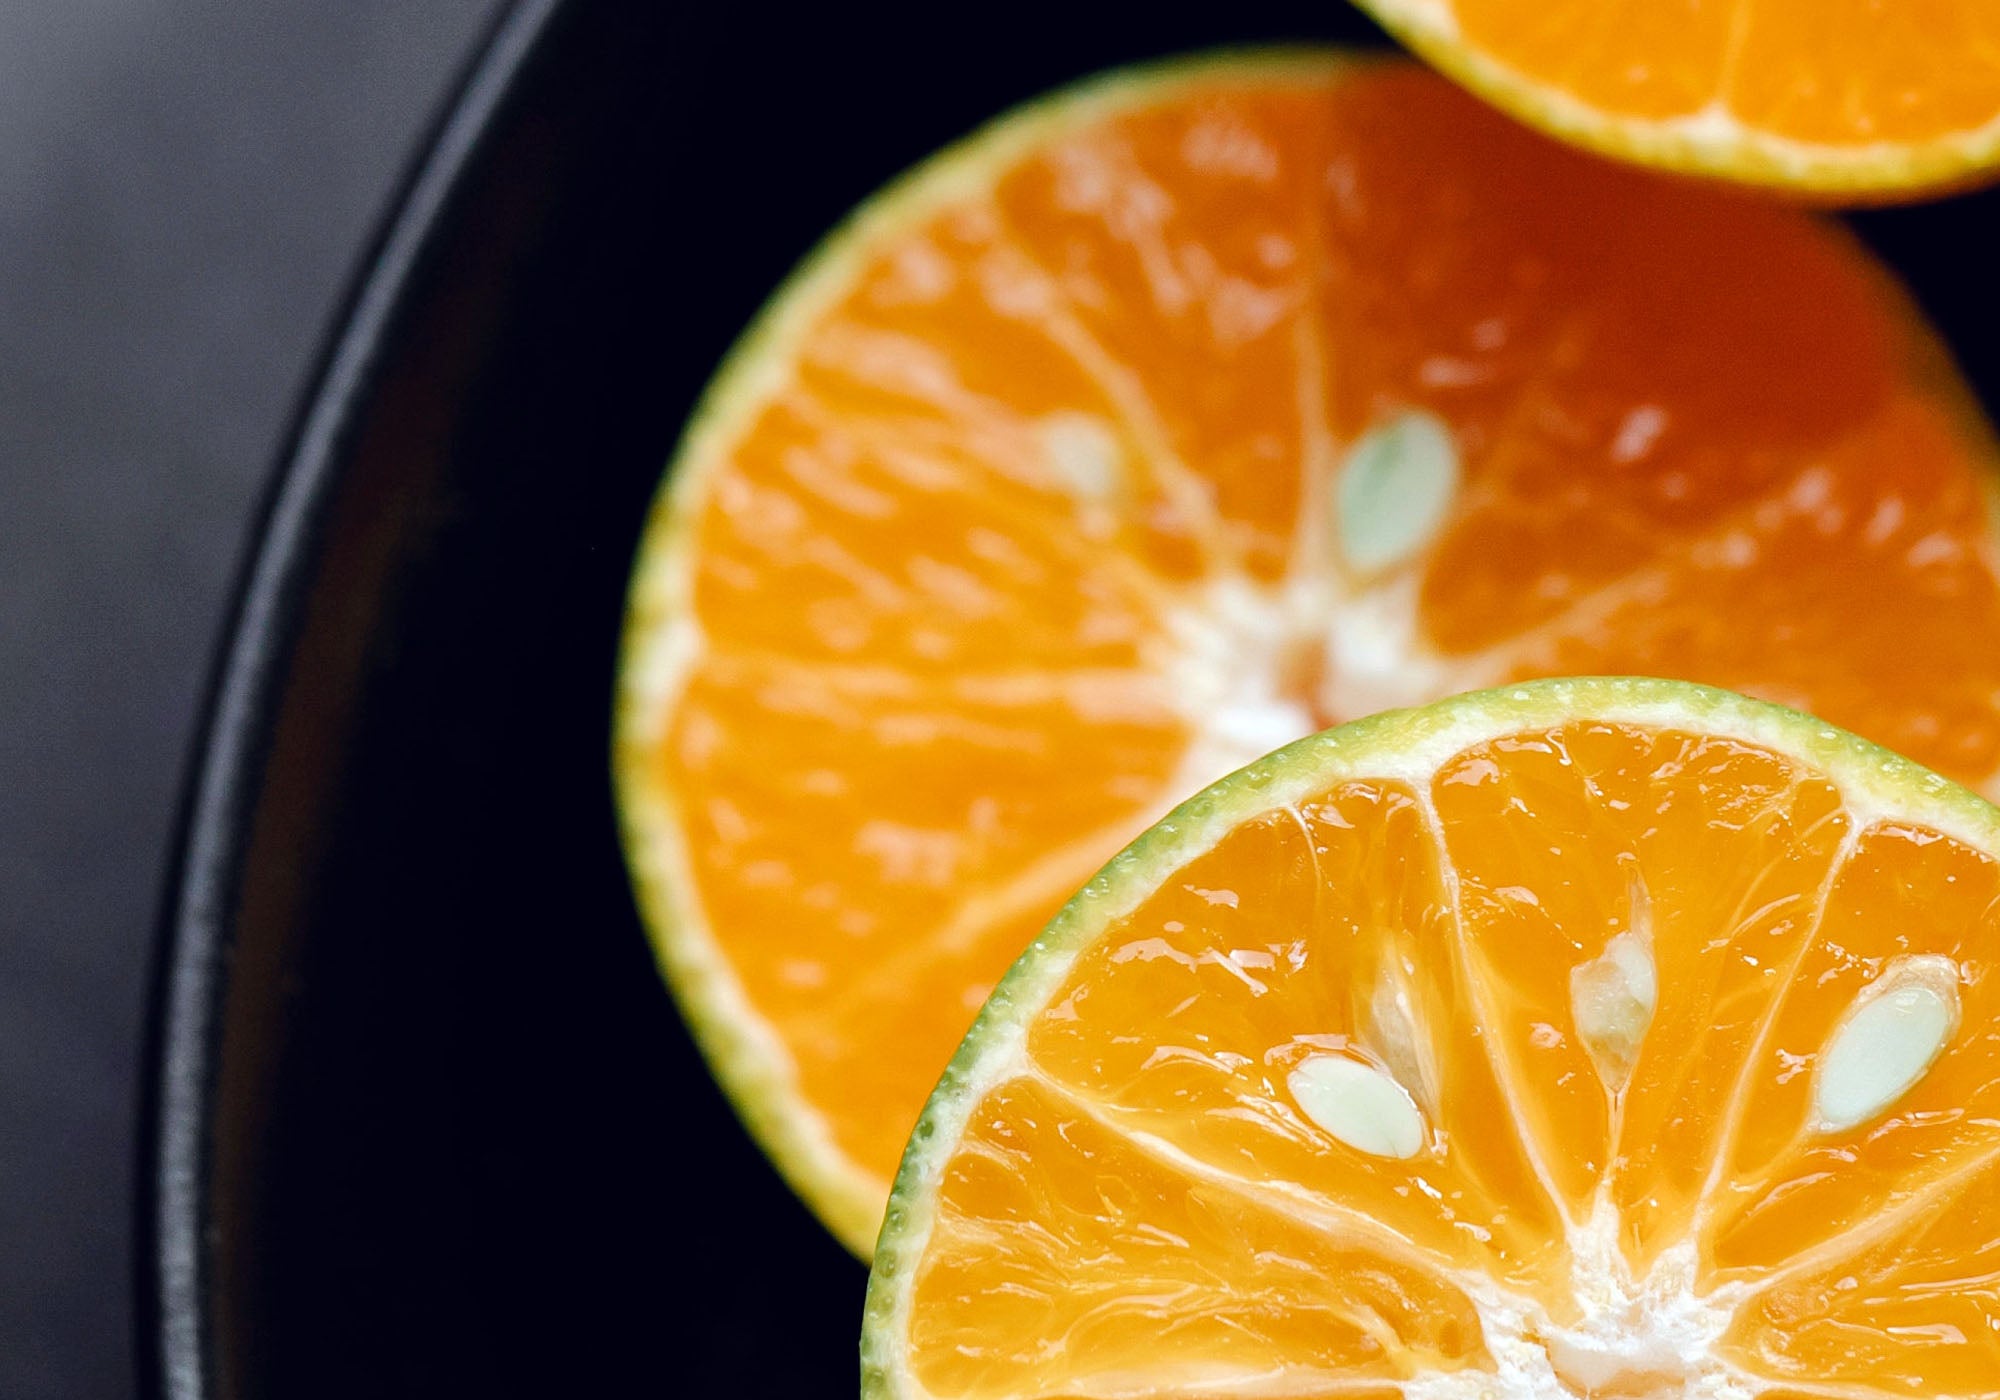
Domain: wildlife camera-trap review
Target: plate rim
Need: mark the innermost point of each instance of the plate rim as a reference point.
(220, 777)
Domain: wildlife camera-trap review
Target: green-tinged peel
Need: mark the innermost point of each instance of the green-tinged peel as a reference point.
(1410, 745)
(660, 636)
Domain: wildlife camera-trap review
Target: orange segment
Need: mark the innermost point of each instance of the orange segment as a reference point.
(1910, 1310)
(1905, 893)
(1175, 418)
(1707, 858)
(1842, 97)
(1550, 1042)
(1073, 1231)
(1358, 865)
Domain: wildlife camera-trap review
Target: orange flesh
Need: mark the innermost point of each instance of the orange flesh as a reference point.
(1142, 1206)
(1007, 553)
(1834, 72)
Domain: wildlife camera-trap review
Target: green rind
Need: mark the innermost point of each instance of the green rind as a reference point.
(755, 1074)
(746, 1060)
(1855, 175)
(1874, 783)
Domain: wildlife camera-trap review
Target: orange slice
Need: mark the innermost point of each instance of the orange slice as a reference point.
(1847, 99)
(1589, 1038)
(1186, 414)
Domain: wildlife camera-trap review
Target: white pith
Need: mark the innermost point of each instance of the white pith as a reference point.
(1231, 637)
(1633, 1338)
(1636, 1338)
(1650, 1337)
(1657, 1335)
(1224, 663)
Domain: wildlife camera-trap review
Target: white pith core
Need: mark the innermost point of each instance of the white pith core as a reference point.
(1666, 1332)
(1350, 600)
(1636, 1338)
(1245, 708)
(1255, 665)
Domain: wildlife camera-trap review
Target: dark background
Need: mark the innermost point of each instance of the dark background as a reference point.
(183, 188)
(184, 185)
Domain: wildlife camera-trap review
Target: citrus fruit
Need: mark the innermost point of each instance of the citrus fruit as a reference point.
(1188, 413)
(1588, 1038)
(1842, 99)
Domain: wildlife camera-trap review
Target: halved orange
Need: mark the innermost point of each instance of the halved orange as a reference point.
(1589, 1038)
(1841, 99)
(1182, 415)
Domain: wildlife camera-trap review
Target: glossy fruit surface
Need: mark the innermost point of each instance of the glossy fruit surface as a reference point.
(1188, 412)
(1590, 1037)
(1841, 99)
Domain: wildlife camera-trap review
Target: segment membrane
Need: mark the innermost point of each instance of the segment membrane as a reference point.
(1911, 1309)
(1067, 1259)
(1363, 1094)
(1843, 75)
(1020, 520)
(1318, 931)
(1710, 850)
(1790, 1186)
(1181, 238)
(833, 862)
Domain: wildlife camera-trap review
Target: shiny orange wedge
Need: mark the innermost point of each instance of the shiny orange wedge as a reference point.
(1853, 100)
(1582, 1039)
(1189, 412)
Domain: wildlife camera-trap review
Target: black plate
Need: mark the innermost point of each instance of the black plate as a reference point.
(424, 1122)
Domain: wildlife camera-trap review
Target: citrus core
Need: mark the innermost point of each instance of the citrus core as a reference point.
(1189, 412)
